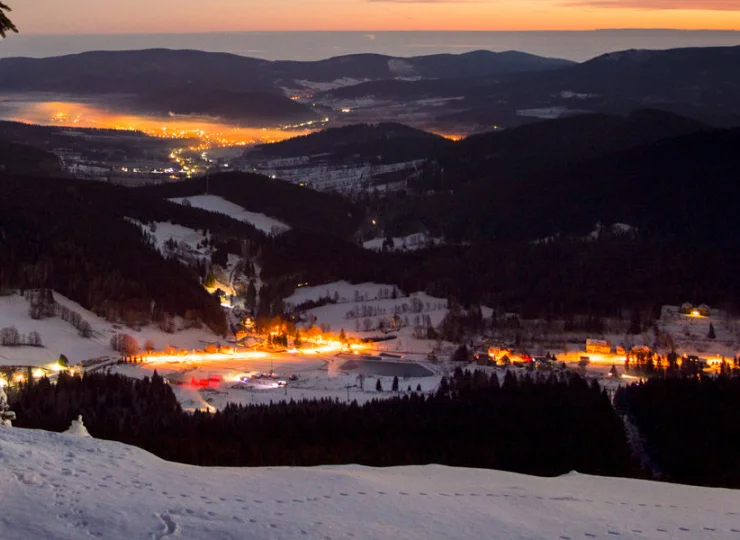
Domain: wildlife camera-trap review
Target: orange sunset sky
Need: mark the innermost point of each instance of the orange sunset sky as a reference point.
(144, 16)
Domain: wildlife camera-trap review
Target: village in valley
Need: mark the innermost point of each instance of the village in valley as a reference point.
(350, 342)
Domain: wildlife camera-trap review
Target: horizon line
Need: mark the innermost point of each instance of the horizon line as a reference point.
(448, 31)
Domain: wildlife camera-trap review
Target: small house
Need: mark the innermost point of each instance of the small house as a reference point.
(598, 346)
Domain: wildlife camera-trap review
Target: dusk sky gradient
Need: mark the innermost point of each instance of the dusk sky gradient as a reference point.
(165, 16)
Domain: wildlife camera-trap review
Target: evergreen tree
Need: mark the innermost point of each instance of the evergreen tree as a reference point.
(461, 354)
(613, 372)
(379, 386)
(251, 300)
(711, 334)
(6, 25)
(6, 415)
(635, 323)
(394, 387)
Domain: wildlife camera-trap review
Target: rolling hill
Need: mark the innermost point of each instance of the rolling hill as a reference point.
(231, 86)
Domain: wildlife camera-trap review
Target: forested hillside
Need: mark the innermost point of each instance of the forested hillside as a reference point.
(58, 234)
(297, 206)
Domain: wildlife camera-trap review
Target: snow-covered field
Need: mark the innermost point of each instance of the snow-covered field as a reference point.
(318, 377)
(62, 487)
(59, 337)
(185, 237)
(341, 292)
(324, 176)
(214, 203)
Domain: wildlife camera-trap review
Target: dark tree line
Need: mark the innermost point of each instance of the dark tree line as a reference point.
(689, 425)
(537, 425)
(561, 279)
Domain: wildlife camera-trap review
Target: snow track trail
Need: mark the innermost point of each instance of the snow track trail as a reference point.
(61, 487)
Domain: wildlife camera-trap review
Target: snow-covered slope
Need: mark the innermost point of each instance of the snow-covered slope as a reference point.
(59, 337)
(214, 203)
(63, 487)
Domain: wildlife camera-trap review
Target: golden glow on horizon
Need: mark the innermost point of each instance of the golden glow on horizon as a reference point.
(184, 16)
(211, 132)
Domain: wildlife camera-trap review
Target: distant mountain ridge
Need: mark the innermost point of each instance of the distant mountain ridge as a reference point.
(128, 71)
(701, 82)
(237, 87)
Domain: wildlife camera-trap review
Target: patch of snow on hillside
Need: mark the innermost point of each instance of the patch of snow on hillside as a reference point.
(352, 316)
(401, 68)
(411, 242)
(214, 203)
(60, 337)
(545, 113)
(341, 292)
(67, 488)
(568, 94)
(317, 86)
(614, 229)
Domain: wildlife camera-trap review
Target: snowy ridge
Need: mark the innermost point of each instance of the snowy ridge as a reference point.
(66, 488)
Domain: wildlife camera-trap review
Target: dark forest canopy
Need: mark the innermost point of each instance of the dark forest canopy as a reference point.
(689, 427)
(72, 236)
(570, 425)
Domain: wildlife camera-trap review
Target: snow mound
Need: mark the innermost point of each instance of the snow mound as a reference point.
(115, 491)
(77, 428)
(214, 203)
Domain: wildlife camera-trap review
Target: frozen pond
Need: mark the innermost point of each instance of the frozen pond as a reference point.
(385, 369)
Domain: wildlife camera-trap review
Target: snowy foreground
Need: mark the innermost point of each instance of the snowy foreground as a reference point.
(64, 487)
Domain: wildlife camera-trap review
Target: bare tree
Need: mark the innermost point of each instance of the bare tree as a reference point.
(6, 25)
